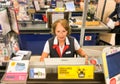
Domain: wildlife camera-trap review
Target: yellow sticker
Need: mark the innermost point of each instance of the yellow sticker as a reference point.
(59, 9)
(76, 72)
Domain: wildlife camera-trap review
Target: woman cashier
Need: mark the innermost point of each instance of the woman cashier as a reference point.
(61, 44)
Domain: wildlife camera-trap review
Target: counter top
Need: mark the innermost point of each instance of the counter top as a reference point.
(41, 28)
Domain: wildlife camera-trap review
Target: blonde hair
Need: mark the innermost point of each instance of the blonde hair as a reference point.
(64, 23)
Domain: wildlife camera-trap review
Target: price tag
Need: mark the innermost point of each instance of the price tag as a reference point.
(37, 73)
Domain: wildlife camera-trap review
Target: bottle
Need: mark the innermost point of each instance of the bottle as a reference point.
(6, 54)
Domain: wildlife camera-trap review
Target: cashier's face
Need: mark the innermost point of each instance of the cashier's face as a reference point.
(60, 32)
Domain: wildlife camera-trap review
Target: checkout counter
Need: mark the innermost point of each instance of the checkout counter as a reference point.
(41, 28)
(52, 75)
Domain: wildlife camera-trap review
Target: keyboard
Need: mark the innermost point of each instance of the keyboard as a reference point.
(64, 61)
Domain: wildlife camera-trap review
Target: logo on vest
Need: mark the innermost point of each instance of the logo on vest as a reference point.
(68, 52)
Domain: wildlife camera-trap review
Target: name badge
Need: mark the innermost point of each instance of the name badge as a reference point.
(68, 52)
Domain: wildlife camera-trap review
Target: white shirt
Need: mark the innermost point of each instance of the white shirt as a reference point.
(46, 47)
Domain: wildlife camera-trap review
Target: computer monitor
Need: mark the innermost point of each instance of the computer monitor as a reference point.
(53, 16)
(111, 65)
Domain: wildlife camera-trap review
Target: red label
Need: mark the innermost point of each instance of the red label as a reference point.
(88, 38)
(113, 81)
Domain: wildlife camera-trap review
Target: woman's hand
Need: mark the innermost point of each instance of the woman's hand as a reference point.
(44, 55)
(107, 20)
(117, 23)
(41, 59)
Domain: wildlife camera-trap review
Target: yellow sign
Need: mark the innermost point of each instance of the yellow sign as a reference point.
(59, 9)
(76, 72)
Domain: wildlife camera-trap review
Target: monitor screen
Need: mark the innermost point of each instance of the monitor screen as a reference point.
(113, 62)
